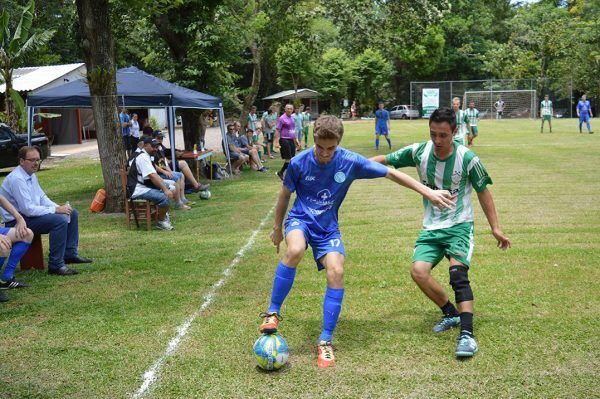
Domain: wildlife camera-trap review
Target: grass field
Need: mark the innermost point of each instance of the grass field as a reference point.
(537, 320)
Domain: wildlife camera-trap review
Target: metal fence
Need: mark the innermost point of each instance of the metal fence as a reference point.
(560, 93)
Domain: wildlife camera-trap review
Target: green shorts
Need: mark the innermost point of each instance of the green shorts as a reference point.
(474, 131)
(457, 241)
(548, 118)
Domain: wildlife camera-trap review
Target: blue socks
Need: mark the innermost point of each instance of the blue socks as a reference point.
(332, 306)
(282, 284)
(376, 144)
(18, 250)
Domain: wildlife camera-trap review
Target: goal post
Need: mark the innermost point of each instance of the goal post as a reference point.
(517, 103)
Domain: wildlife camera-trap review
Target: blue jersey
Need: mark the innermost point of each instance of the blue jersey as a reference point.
(382, 116)
(320, 189)
(584, 107)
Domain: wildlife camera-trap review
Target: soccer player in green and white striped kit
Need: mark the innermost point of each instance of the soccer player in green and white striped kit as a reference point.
(442, 164)
(546, 112)
(473, 117)
(462, 121)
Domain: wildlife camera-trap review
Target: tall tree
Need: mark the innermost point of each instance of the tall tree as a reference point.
(333, 76)
(15, 49)
(98, 46)
(293, 63)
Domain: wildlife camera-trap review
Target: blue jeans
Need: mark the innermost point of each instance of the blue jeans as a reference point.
(64, 237)
(156, 197)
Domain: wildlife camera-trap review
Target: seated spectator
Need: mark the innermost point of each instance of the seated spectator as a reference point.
(181, 165)
(257, 141)
(165, 172)
(147, 128)
(143, 182)
(236, 157)
(244, 144)
(42, 215)
(18, 239)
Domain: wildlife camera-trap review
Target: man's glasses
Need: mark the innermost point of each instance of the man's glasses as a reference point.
(34, 160)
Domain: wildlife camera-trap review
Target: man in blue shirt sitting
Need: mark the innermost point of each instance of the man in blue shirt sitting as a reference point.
(42, 215)
(321, 177)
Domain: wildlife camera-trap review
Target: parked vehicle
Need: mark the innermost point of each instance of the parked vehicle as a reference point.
(560, 112)
(11, 142)
(403, 112)
(345, 114)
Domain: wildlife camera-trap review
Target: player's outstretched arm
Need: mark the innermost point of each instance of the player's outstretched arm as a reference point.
(487, 204)
(280, 208)
(440, 198)
(21, 225)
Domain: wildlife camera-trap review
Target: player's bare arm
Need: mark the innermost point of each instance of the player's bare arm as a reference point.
(281, 207)
(21, 225)
(489, 209)
(440, 198)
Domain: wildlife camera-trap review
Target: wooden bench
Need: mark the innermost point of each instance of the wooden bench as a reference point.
(34, 257)
(138, 209)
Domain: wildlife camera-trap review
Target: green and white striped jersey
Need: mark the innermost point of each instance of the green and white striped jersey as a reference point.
(472, 115)
(546, 107)
(461, 122)
(459, 174)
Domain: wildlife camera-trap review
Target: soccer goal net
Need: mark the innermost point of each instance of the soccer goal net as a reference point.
(512, 103)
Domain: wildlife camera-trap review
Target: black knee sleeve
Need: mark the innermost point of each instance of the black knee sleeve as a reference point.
(459, 279)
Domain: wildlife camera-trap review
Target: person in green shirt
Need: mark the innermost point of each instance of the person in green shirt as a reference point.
(462, 122)
(442, 164)
(473, 117)
(305, 125)
(546, 112)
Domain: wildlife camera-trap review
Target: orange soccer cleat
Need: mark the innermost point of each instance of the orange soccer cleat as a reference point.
(269, 323)
(325, 356)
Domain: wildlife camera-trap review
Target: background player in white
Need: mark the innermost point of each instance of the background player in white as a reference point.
(546, 112)
(321, 178)
(473, 117)
(499, 107)
(444, 165)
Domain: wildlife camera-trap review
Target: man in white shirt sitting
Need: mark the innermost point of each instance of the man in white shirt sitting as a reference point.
(42, 215)
(144, 183)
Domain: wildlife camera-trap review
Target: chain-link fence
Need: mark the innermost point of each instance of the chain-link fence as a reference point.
(518, 104)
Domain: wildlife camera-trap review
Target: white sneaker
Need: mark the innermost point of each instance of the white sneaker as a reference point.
(164, 225)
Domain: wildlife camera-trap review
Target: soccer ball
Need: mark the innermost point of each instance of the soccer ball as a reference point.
(205, 195)
(271, 351)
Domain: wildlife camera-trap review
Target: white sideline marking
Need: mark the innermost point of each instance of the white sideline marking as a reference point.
(151, 375)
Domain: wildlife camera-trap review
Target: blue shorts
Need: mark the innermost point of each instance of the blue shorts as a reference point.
(382, 130)
(176, 176)
(584, 118)
(4, 230)
(320, 244)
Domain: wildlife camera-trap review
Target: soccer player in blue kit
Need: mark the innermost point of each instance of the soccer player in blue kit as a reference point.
(584, 112)
(321, 178)
(382, 125)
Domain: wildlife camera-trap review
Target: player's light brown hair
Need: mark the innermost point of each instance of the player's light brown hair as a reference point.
(328, 127)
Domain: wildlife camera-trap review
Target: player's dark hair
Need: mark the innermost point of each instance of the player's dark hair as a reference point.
(328, 127)
(444, 114)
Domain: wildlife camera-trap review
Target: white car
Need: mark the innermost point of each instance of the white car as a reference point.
(403, 112)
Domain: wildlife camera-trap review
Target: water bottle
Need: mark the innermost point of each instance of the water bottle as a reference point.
(195, 151)
(68, 214)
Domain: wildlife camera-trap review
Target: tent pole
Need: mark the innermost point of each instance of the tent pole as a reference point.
(171, 125)
(223, 133)
(29, 124)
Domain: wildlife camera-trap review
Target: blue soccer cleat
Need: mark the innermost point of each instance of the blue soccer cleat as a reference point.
(446, 323)
(467, 347)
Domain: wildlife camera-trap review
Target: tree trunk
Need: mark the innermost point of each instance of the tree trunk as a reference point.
(256, 77)
(98, 47)
(190, 123)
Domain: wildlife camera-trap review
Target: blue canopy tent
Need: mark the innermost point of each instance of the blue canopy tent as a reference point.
(135, 88)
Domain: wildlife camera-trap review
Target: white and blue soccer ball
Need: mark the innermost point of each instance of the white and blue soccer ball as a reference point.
(205, 194)
(271, 351)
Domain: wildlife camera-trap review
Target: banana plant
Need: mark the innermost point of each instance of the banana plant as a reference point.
(16, 48)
